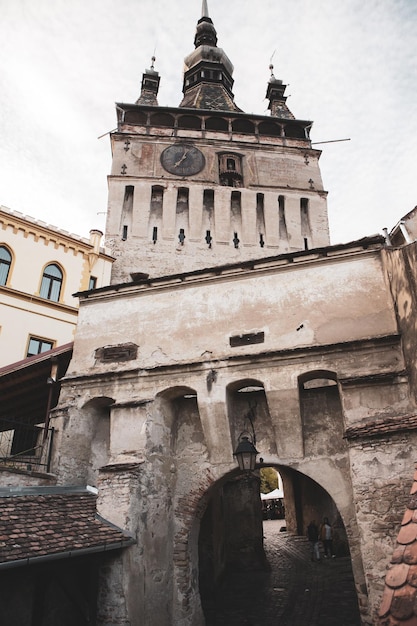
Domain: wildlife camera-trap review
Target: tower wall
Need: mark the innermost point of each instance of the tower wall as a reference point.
(271, 201)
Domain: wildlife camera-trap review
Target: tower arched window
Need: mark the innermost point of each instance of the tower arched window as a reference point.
(5, 263)
(51, 282)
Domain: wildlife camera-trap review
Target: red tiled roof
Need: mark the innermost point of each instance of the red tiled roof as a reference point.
(399, 601)
(37, 526)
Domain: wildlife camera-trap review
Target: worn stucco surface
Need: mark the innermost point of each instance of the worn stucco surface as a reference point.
(163, 424)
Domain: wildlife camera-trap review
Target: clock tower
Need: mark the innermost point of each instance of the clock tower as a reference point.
(205, 184)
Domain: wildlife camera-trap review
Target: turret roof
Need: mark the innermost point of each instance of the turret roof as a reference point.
(208, 71)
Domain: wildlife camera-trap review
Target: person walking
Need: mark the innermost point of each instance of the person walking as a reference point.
(313, 537)
(326, 536)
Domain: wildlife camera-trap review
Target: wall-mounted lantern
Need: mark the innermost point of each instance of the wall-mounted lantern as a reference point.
(245, 454)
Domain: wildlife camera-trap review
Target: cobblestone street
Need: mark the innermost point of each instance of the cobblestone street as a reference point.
(295, 592)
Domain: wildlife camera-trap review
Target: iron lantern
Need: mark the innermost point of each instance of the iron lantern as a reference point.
(245, 454)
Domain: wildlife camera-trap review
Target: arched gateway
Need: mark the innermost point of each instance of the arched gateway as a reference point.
(236, 551)
(171, 479)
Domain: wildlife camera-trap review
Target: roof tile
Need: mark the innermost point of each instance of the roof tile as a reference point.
(410, 554)
(412, 576)
(397, 575)
(407, 533)
(385, 605)
(402, 605)
(398, 554)
(48, 524)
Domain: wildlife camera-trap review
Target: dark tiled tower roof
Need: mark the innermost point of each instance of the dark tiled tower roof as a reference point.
(208, 71)
(399, 601)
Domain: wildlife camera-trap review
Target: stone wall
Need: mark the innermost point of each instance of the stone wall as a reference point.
(163, 419)
(281, 198)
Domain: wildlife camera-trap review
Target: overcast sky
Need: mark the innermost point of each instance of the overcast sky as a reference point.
(351, 67)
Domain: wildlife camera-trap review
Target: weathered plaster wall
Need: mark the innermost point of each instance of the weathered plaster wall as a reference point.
(176, 463)
(175, 411)
(271, 166)
(297, 305)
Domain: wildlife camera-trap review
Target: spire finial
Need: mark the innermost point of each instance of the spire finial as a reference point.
(153, 59)
(204, 9)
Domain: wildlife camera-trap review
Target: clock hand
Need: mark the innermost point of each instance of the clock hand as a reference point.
(181, 159)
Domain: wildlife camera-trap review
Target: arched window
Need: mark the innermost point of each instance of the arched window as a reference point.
(189, 121)
(162, 119)
(321, 413)
(51, 283)
(213, 123)
(5, 263)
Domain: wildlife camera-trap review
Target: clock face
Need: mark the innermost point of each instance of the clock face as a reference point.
(182, 159)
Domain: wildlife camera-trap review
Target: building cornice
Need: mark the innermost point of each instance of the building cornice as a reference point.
(268, 358)
(180, 111)
(51, 234)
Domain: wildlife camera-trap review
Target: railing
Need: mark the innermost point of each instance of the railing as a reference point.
(24, 446)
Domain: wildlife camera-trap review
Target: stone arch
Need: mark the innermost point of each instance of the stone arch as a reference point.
(189, 510)
(306, 500)
(247, 402)
(95, 415)
(174, 403)
(206, 555)
(83, 440)
(321, 413)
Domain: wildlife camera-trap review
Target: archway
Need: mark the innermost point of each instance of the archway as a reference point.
(245, 578)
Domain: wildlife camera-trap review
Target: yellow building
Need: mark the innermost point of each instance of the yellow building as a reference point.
(41, 267)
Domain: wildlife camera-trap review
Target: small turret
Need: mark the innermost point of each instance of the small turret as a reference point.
(150, 86)
(277, 101)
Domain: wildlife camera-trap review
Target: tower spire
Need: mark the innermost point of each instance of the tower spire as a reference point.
(208, 71)
(206, 33)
